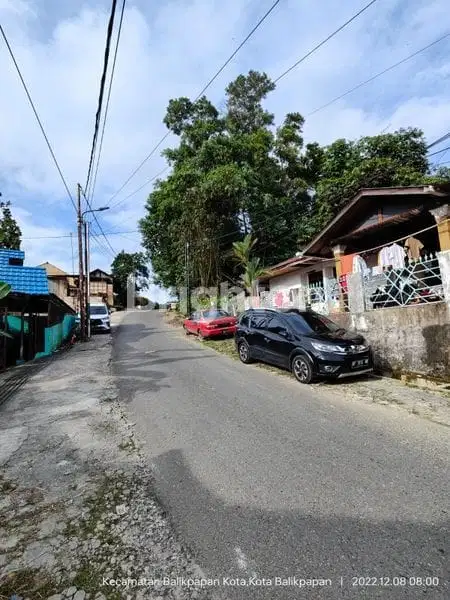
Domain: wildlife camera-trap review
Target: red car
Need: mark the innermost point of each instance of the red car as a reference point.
(210, 323)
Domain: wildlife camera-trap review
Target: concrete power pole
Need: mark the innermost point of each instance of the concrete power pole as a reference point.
(80, 266)
(131, 291)
(87, 267)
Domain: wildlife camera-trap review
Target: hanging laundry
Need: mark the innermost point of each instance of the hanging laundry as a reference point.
(360, 265)
(278, 299)
(392, 256)
(413, 246)
(347, 263)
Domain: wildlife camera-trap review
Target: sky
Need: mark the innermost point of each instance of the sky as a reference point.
(171, 48)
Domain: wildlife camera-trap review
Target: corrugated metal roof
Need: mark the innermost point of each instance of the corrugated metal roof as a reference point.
(6, 254)
(24, 280)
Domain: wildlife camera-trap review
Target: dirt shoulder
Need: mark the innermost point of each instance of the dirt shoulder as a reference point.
(429, 403)
(77, 506)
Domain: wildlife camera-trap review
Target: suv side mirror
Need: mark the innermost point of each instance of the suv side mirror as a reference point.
(286, 334)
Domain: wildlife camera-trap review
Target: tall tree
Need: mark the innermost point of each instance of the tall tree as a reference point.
(10, 233)
(235, 173)
(392, 159)
(124, 265)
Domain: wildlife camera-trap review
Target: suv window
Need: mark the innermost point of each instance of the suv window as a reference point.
(276, 325)
(244, 320)
(259, 321)
(99, 310)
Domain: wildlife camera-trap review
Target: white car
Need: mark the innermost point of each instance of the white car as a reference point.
(100, 317)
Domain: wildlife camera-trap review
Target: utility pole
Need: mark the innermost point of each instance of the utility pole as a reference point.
(80, 266)
(87, 267)
(188, 291)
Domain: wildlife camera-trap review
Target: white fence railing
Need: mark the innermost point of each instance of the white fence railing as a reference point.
(322, 298)
(418, 282)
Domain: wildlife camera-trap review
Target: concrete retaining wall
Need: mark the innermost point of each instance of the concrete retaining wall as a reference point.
(413, 339)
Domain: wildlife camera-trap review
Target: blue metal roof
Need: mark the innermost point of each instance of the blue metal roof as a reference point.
(6, 254)
(24, 280)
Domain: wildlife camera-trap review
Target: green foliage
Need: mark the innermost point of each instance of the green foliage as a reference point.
(10, 233)
(238, 173)
(141, 301)
(5, 288)
(123, 266)
(392, 159)
(253, 269)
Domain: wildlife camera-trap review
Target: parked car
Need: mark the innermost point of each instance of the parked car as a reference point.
(100, 317)
(305, 342)
(210, 323)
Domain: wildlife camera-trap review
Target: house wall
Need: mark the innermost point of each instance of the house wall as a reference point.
(412, 339)
(102, 288)
(56, 335)
(59, 287)
(299, 277)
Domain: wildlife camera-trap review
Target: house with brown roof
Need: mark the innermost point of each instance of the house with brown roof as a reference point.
(374, 219)
(388, 249)
(65, 285)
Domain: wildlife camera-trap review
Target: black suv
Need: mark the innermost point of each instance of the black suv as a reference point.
(305, 342)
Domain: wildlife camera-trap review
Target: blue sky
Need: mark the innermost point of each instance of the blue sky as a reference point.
(172, 48)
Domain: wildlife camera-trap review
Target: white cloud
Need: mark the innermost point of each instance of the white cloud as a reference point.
(171, 49)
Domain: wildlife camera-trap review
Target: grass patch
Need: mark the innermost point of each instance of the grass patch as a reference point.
(89, 577)
(227, 346)
(98, 506)
(6, 485)
(174, 318)
(224, 346)
(31, 583)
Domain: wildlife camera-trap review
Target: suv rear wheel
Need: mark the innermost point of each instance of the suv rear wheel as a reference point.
(244, 353)
(302, 369)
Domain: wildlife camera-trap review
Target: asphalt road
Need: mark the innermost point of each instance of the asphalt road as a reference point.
(263, 476)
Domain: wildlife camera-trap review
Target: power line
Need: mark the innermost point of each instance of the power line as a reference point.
(226, 63)
(141, 187)
(102, 90)
(439, 151)
(213, 78)
(397, 64)
(69, 235)
(98, 224)
(37, 116)
(92, 191)
(323, 42)
(441, 139)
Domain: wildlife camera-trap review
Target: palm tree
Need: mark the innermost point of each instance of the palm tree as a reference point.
(243, 249)
(253, 269)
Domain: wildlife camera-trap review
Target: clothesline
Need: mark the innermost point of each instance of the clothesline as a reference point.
(399, 239)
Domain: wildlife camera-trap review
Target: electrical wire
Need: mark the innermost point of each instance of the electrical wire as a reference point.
(397, 64)
(97, 222)
(323, 42)
(213, 78)
(439, 151)
(69, 235)
(2, 31)
(141, 187)
(441, 139)
(90, 193)
(102, 90)
(355, 16)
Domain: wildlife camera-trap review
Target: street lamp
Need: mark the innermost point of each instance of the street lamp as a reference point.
(85, 320)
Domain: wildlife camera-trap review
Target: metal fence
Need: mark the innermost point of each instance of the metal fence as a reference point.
(418, 282)
(322, 298)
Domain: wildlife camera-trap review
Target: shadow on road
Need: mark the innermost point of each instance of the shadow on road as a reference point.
(326, 547)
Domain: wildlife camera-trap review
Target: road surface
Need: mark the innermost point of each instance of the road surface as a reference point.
(265, 478)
